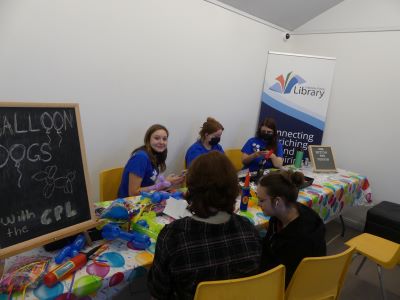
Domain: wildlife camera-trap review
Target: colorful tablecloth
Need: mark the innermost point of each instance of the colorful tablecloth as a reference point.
(121, 264)
(331, 193)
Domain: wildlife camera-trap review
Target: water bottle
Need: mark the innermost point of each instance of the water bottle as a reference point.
(244, 199)
(299, 158)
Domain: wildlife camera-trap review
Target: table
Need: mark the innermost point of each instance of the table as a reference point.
(330, 193)
(328, 196)
(121, 265)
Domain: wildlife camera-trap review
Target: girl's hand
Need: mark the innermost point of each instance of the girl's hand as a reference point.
(260, 153)
(175, 179)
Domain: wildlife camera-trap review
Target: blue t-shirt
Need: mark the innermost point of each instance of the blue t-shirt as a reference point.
(254, 144)
(197, 149)
(140, 165)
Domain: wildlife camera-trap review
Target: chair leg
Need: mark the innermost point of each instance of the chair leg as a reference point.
(381, 282)
(361, 265)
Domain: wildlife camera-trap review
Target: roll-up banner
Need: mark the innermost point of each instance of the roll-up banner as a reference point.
(296, 94)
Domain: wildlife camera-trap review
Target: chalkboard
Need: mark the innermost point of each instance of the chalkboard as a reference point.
(322, 158)
(44, 186)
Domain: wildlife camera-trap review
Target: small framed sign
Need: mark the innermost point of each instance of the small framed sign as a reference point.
(322, 158)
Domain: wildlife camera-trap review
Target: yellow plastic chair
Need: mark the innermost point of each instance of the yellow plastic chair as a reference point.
(268, 285)
(109, 182)
(235, 156)
(383, 252)
(319, 277)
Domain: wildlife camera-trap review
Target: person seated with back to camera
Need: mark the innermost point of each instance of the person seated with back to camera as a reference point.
(212, 244)
(145, 164)
(295, 231)
(210, 136)
(256, 148)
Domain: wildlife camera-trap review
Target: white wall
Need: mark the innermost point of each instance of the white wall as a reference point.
(132, 63)
(363, 117)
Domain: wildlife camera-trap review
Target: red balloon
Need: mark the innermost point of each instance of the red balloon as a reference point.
(116, 278)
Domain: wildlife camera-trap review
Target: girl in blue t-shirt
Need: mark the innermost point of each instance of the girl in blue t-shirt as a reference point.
(265, 143)
(210, 136)
(145, 164)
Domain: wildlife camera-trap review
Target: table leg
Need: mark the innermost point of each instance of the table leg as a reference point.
(342, 232)
(343, 225)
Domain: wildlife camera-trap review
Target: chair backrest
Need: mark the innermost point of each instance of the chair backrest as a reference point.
(235, 156)
(319, 277)
(109, 182)
(268, 285)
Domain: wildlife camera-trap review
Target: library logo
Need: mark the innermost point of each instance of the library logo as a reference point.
(285, 85)
(293, 84)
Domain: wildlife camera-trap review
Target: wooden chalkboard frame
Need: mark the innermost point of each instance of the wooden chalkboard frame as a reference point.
(67, 231)
(312, 159)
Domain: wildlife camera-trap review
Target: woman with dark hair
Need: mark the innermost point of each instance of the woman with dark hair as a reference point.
(146, 163)
(265, 143)
(210, 136)
(295, 231)
(212, 244)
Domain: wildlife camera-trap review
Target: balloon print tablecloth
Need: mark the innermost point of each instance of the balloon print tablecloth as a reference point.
(331, 193)
(121, 264)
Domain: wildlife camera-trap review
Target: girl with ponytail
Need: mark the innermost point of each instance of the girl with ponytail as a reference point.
(210, 136)
(295, 231)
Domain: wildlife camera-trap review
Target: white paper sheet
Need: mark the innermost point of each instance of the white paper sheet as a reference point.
(176, 208)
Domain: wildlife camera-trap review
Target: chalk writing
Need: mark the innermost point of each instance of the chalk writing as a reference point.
(15, 222)
(16, 231)
(63, 182)
(59, 121)
(46, 219)
(24, 215)
(19, 152)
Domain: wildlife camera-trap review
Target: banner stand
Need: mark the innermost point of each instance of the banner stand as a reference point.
(296, 94)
